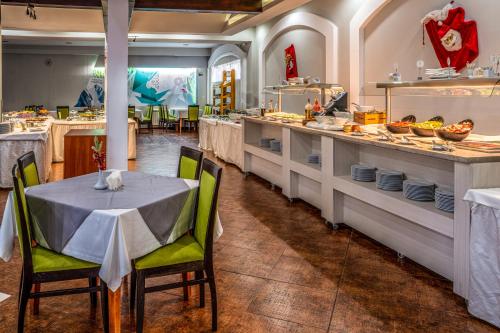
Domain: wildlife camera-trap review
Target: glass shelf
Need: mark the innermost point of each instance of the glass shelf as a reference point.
(301, 89)
(462, 87)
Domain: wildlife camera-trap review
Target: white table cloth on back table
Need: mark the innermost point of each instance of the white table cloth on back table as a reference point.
(105, 227)
(17, 143)
(484, 275)
(224, 138)
(61, 127)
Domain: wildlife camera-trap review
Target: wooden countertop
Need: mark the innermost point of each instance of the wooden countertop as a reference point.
(458, 155)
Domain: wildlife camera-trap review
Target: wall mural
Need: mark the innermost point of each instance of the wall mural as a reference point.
(175, 87)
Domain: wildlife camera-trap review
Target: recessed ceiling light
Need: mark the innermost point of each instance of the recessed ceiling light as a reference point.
(185, 44)
(69, 43)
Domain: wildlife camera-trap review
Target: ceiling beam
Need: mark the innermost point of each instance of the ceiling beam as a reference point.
(57, 3)
(209, 6)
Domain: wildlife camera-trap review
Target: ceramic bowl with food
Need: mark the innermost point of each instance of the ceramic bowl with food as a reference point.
(398, 127)
(455, 132)
(426, 129)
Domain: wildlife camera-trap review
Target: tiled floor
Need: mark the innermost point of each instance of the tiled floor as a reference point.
(278, 269)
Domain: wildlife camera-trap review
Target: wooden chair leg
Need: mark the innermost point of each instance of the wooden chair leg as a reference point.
(185, 288)
(36, 301)
(139, 317)
(20, 287)
(213, 296)
(133, 289)
(198, 276)
(104, 306)
(23, 302)
(93, 294)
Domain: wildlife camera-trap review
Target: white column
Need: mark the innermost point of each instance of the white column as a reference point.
(1, 63)
(116, 55)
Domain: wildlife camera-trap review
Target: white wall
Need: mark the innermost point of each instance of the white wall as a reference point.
(395, 36)
(27, 79)
(310, 52)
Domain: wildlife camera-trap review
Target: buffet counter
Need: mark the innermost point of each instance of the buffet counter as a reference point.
(224, 138)
(61, 127)
(17, 143)
(436, 239)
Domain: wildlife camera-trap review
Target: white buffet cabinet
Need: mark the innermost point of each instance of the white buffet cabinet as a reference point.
(417, 230)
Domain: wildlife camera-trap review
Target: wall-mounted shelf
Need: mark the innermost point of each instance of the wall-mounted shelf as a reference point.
(460, 87)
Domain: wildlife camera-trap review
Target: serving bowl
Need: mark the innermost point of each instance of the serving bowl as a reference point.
(425, 132)
(451, 136)
(398, 129)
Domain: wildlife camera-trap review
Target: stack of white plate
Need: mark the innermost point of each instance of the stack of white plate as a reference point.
(418, 190)
(5, 127)
(441, 73)
(390, 180)
(266, 142)
(445, 199)
(275, 145)
(363, 173)
(314, 158)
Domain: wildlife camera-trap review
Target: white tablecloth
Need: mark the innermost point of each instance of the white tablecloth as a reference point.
(123, 235)
(17, 143)
(61, 127)
(224, 138)
(484, 277)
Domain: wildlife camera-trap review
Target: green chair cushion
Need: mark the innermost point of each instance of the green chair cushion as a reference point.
(188, 168)
(45, 260)
(207, 189)
(185, 249)
(31, 175)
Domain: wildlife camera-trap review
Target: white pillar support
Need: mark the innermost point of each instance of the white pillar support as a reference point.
(1, 75)
(116, 85)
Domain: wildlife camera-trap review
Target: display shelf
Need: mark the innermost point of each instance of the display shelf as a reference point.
(309, 170)
(422, 213)
(264, 153)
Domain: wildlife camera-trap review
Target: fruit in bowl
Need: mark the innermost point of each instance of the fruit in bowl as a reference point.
(455, 132)
(401, 127)
(426, 128)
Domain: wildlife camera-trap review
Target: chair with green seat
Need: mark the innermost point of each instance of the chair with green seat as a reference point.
(131, 111)
(193, 116)
(207, 110)
(191, 253)
(62, 112)
(171, 119)
(147, 119)
(189, 163)
(41, 265)
(28, 169)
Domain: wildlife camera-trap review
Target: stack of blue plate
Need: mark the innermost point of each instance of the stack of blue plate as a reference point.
(275, 145)
(314, 158)
(390, 180)
(5, 127)
(445, 199)
(363, 173)
(266, 142)
(418, 190)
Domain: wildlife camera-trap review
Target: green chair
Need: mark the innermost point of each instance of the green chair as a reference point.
(172, 120)
(147, 119)
(192, 252)
(131, 111)
(41, 265)
(62, 112)
(193, 116)
(189, 163)
(28, 169)
(207, 110)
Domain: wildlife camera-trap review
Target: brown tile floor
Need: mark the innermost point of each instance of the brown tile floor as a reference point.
(278, 268)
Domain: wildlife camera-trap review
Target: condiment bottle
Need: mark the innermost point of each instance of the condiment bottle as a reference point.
(317, 106)
(307, 110)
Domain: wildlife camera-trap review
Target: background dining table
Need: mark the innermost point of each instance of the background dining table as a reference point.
(107, 227)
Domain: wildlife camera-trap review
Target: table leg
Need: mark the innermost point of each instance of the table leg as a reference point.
(180, 125)
(114, 302)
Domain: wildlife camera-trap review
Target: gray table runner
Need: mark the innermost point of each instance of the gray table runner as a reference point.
(60, 208)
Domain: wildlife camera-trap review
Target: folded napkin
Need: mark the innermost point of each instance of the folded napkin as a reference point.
(114, 180)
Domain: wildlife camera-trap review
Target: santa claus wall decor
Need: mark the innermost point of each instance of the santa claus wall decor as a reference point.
(291, 62)
(452, 36)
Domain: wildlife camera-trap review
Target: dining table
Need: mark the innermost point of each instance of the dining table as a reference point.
(110, 228)
(62, 126)
(22, 140)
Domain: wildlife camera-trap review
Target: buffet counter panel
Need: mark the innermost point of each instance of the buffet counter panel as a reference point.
(315, 165)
